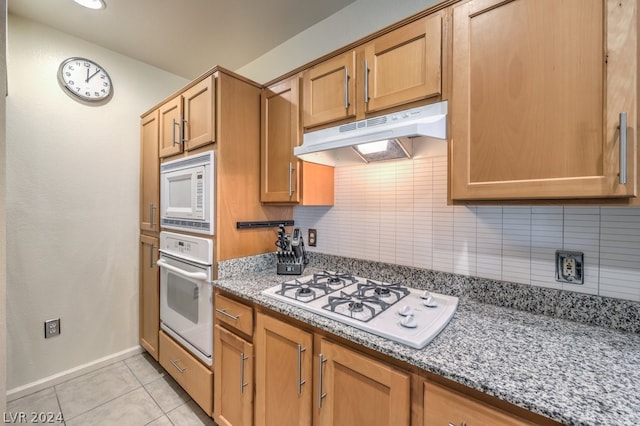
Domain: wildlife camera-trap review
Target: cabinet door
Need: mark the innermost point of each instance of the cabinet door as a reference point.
(355, 389)
(149, 321)
(283, 373)
(538, 88)
(404, 65)
(329, 90)
(171, 126)
(443, 406)
(149, 173)
(233, 381)
(280, 134)
(199, 114)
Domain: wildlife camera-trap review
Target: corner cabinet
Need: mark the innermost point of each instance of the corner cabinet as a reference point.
(188, 120)
(284, 178)
(399, 67)
(539, 92)
(149, 295)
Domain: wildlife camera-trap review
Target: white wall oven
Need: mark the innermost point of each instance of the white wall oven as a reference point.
(187, 193)
(186, 292)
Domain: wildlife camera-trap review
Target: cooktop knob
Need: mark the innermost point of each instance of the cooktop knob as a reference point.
(408, 322)
(425, 294)
(430, 302)
(405, 310)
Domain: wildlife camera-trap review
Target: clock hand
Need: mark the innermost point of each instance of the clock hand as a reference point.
(87, 80)
(92, 75)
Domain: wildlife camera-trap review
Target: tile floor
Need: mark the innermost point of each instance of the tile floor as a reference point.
(136, 391)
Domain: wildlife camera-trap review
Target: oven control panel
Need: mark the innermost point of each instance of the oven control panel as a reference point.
(187, 246)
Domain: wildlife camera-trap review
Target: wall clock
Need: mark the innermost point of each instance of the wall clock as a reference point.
(84, 79)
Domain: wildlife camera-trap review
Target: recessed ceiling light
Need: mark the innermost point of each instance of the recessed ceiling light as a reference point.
(92, 4)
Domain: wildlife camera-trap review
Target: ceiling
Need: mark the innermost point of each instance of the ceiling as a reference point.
(184, 37)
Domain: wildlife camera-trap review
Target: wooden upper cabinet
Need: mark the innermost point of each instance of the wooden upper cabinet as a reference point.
(188, 120)
(284, 178)
(404, 65)
(199, 114)
(329, 90)
(357, 389)
(396, 68)
(538, 90)
(280, 134)
(149, 173)
(171, 127)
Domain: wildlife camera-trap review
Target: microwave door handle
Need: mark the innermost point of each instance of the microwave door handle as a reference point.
(193, 275)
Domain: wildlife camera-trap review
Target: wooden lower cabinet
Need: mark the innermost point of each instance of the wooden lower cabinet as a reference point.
(444, 406)
(149, 302)
(194, 377)
(356, 389)
(284, 370)
(233, 396)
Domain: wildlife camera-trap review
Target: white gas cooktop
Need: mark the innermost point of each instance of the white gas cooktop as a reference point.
(402, 314)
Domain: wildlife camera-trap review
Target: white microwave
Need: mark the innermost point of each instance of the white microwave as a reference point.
(187, 194)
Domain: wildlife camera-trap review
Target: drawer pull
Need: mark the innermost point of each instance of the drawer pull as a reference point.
(174, 362)
(227, 314)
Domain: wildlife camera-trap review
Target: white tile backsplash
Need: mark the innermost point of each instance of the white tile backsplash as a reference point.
(397, 212)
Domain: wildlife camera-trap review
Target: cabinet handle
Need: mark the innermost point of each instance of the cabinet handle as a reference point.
(366, 81)
(173, 132)
(346, 88)
(300, 381)
(243, 358)
(623, 148)
(291, 169)
(461, 424)
(321, 395)
(182, 137)
(227, 314)
(152, 208)
(152, 247)
(174, 362)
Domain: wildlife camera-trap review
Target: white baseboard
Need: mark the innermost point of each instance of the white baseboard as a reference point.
(29, 388)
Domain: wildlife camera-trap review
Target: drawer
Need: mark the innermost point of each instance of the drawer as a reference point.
(194, 377)
(235, 314)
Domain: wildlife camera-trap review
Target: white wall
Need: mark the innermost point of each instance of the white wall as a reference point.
(352, 23)
(3, 235)
(72, 204)
(397, 212)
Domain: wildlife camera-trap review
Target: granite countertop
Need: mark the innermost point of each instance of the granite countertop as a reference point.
(573, 373)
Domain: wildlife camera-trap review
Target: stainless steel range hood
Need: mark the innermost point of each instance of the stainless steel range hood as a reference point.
(333, 145)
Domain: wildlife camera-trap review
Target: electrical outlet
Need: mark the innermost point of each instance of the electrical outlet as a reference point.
(570, 267)
(312, 237)
(51, 328)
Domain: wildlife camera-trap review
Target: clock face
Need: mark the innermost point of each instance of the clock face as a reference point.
(85, 79)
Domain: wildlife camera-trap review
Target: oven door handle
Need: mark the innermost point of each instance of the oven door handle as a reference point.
(193, 275)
